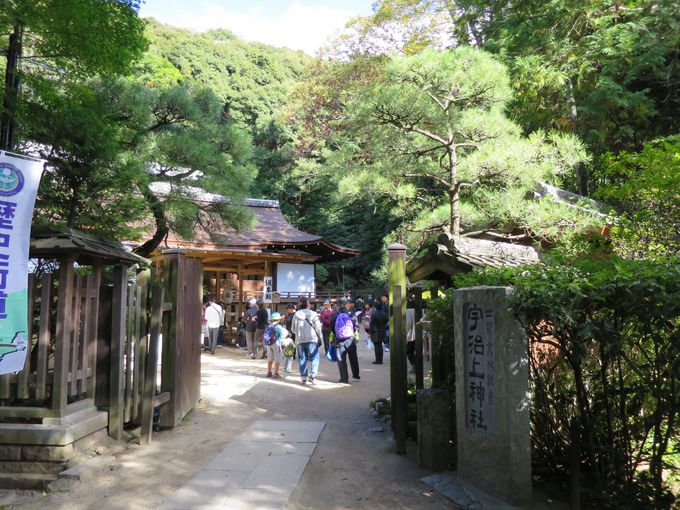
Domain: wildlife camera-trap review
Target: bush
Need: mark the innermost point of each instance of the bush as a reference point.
(604, 356)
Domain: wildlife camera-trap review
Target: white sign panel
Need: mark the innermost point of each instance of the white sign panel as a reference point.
(480, 369)
(19, 179)
(295, 279)
(268, 289)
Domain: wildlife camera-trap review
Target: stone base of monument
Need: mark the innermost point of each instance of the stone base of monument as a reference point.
(464, 495)
(435, 451)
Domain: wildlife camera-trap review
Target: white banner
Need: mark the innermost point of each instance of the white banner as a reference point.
(19, 179)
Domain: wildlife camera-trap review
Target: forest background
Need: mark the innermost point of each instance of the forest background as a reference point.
(358, 143)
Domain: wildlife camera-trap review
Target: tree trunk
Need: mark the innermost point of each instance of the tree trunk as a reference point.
(581, 173)
(12, 84)
(454, 192)
(162, 228)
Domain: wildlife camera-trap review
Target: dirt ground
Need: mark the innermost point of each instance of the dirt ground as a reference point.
(352, 467)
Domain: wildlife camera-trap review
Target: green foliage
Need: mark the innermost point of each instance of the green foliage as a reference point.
(76, 37)
(433, 135)
(645, 186)
(604, 354)
(604, 70)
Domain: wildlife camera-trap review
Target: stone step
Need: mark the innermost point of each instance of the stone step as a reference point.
(37, 468)
(26, 481)
(52, 435)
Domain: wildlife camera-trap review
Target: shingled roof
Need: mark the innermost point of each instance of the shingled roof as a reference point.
(271, 232)
(85, 248)
(454, 254)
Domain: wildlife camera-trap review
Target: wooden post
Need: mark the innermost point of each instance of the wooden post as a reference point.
(398, 376)
(63, 334)
(22, 378)
(419, 339)
(149, 391)
(140, 335)
(94, 326)
(43, 337)
(117, 381)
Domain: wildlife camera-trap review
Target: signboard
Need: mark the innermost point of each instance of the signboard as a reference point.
(19, 178)
(480, 370)
(268, 289)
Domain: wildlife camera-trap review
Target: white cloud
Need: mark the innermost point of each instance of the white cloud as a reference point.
(300, 27)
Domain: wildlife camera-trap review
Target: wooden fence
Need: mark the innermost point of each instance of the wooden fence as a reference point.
(60, 366)
(91, 344)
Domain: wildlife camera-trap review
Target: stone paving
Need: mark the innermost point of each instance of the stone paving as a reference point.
(256, 471)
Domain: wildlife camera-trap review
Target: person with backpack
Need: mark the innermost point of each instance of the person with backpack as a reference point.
(272, 336)
(325, 318)
(345, 328)
(289, 340)
(306, 327)
(214, 315)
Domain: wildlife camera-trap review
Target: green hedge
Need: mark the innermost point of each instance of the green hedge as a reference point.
(604, 367)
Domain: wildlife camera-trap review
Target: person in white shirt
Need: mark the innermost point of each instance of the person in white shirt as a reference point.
(214, 315)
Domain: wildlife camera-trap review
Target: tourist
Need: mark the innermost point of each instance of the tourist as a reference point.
(214, 315)
(378, 325)
(250, 318)
(289, 340)
(325, 318)
(204, 328)
(306, 327)
(385, 307)
(344, 327)
(272, 338)
(364, 319)
(261, 322)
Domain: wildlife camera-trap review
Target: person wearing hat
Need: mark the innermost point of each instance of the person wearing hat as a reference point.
(272, 337)
(250, 318)
(325, 318)
(344, 326)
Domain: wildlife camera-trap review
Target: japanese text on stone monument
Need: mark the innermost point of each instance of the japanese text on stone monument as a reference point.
(480, 350)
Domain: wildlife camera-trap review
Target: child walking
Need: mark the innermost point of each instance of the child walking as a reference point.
(272, 337)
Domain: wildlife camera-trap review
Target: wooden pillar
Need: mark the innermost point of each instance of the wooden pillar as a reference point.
(94, 323)
(239, 304)
(398, 366)
(149, 390)
(63, 334)
(117, 381)
(419, 339)
(22, 377)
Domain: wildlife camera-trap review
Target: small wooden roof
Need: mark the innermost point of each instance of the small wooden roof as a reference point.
(85, 248)
(455, 254)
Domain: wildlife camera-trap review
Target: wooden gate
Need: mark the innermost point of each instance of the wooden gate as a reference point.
(163, 317)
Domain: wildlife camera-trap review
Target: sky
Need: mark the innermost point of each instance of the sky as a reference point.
(297, 24)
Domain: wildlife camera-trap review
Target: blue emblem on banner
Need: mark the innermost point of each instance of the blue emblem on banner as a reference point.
(11, 180)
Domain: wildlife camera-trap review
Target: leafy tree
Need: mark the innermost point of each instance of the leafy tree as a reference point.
(53, 38)
(604, 70)
(645, 186)
(434, 125)
(109, 144)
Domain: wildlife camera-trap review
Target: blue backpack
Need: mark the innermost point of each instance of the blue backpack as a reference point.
(269, 335)
(344, 328)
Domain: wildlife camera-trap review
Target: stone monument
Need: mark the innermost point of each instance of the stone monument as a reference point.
(492, 397)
